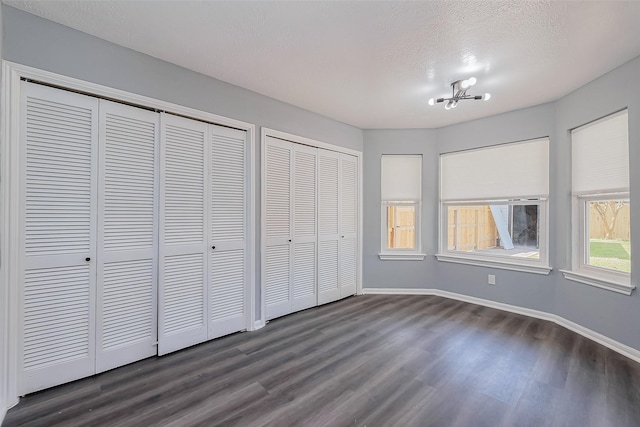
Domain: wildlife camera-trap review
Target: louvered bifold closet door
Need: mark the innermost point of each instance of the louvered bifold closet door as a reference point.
(58, 172)
(127, 235)
(277, 207)
(228, 233)
(304, 242)
(348, 224)
(328, 226)
(183, 247)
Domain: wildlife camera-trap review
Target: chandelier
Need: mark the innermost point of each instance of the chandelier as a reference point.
(459, 92)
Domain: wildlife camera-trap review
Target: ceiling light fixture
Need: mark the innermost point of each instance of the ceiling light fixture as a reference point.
(458, 92)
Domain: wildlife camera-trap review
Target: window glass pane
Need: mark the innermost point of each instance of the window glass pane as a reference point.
(401, 227)
(609, 232)
(506, 230)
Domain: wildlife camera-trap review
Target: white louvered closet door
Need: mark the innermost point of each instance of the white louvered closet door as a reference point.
(304, 244)
(348, 224)
(277, 200)
(127, 235)
(183, 246)
(228, 231)
(58, 172)
(328, 226)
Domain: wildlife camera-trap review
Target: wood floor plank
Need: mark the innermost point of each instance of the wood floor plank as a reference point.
(377, 360)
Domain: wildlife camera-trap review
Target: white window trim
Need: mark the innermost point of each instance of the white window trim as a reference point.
(393, 254)
(582, 272)
(536, 266)
(598, 282)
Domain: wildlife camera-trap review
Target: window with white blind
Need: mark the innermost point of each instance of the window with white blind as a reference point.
(494, 206)
(401, 207)
(600, 190)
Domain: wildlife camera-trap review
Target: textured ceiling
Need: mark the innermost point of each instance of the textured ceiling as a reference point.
(374, 64)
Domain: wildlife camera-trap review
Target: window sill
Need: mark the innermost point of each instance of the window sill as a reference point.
(402, 257)
(599, 282)
(493, 263)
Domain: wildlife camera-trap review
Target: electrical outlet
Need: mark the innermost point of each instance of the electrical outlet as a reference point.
(491, 279)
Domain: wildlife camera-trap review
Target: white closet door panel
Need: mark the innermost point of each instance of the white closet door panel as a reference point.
(304, 192)
(184, 181)
(58, 336)
(182, 290)
(278, 190)
(277, 279)
(227, 311)
(278, 196)
(328, 193)
(228, 185)
(128, 312)
(59, 136)
(348, 266)
(127, 235)
(58, 141)
(183, 293)
(349, 194)
(227, 263)
(303, 283)
(349, 224)
(328, 271)
(304, 276)
(328, 226)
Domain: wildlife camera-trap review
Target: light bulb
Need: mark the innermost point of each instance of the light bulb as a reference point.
(447, 106)
(472, 81)
(465, 84)
(454, 104)
(432, 101)
(486, 97)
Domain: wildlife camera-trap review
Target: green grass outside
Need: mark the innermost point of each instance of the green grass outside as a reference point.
(613, 254)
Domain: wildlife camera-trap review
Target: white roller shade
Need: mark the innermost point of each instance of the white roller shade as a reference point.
(401, 177)
(517, 170)
(600, 155)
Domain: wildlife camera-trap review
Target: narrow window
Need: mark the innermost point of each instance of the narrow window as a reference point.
(600, 190)
(401, 205)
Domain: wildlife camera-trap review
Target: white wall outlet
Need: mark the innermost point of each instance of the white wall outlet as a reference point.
(491, 279)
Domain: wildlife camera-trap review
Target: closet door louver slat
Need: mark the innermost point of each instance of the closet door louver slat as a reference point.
(58, 148)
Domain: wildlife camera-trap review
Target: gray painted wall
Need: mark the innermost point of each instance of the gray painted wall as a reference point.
(43, 44)
(401, 274)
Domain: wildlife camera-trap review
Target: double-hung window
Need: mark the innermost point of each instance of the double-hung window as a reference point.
(401, 207)
(494, 206)
(601, 248)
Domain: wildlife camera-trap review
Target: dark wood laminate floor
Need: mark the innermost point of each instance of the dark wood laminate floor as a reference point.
(364, 361)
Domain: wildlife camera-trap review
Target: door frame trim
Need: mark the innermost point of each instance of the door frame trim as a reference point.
(10, 259)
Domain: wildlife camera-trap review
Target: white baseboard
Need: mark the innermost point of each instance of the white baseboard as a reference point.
(625, 350)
